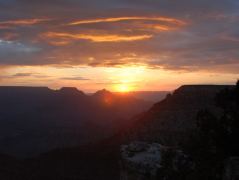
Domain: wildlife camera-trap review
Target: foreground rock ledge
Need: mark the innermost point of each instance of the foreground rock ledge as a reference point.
(146, 161)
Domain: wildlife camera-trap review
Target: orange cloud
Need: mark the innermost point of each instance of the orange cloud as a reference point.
(155, 28)
(60, 42)
(21, 22)
(117, 19)
(96, 38)
(159, 27)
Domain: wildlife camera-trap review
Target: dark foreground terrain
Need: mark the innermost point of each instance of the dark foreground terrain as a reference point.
(98, 161)
(197, 126)
(34, 120)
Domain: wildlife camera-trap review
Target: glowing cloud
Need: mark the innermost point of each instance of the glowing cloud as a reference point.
(144, 28)
(97, 38)
(117, 19)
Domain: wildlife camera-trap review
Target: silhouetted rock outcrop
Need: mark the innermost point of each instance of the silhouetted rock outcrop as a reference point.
(171, 121)
(71, 91)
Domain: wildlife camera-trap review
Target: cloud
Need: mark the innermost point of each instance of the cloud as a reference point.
(12, 52)
(117, 19)
(95, 38)
(20, 22)
(8, 47)
(77, 78)
(185, 35)
(134, 28)
(22, 74)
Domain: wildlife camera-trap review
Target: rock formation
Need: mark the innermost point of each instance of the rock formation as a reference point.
(145, 161)
(171, 121)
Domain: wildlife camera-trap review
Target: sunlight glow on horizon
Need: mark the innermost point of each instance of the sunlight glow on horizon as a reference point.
(124, 88)
(116, 79)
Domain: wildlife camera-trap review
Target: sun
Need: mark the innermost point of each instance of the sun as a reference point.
(126, 79)
(124, 88)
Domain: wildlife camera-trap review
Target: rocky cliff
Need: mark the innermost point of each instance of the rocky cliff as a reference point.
(174, 123)
(171, 121)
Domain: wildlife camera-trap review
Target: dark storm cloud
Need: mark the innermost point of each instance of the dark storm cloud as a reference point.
(186, 34)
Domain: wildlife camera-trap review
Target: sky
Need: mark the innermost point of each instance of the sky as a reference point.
(120, 45)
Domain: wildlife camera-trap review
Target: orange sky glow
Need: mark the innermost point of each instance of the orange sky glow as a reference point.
(120, 46)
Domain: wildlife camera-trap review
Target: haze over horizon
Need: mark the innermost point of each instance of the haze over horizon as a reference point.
(118, 45)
